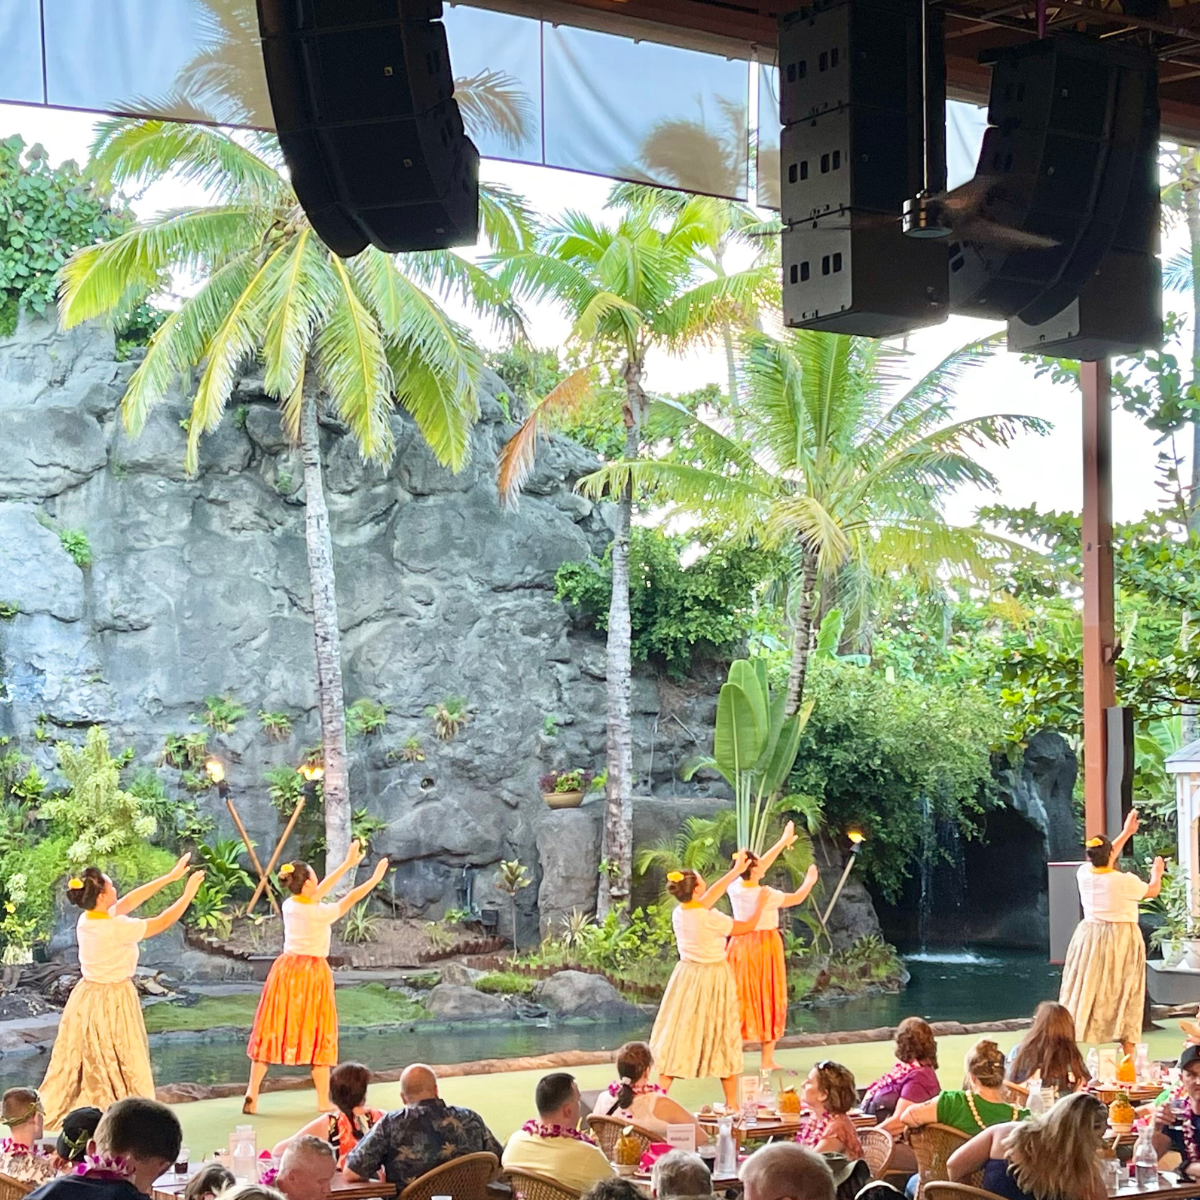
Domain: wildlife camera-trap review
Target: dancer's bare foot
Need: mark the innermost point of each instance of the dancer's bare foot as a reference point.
(250, 1106)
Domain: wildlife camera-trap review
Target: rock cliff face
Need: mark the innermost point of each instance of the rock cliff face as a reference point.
(198, 587)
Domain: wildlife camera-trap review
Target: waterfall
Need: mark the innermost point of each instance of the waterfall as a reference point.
(943, 883)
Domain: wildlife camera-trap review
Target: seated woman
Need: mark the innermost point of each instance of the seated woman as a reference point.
(1050, 1051)
(634, 1098)
(978, 1106)
(1052, 1157)
(914, 1080)
(20, 1157)
(343, 1129)
(829, 1094)
(209, 1182)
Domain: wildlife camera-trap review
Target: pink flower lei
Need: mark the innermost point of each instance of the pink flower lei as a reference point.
(887, 1083)
(101, 1166)
(1188, 1129)
(537, 1129)
(813, 1129)
(20, 1150)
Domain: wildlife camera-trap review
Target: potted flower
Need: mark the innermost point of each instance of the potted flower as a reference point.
(1177, 932)
(565, 789)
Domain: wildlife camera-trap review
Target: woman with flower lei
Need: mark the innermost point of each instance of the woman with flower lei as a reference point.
(296, 1020)
(102, 1053)
(829, 1094)
(914, 1078)
(1177, 1120)
(635, 1099)
(20, 1156)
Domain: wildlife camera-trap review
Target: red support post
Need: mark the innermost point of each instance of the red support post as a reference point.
(1099, 632)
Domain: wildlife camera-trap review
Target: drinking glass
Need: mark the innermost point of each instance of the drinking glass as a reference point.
(181, 1162)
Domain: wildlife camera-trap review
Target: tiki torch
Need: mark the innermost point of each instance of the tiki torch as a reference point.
(856, 840)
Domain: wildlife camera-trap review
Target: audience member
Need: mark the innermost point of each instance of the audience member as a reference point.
(136, 1141)
(1051, 1157)
(424, 1134)
(785, 1171)
(20, 1156)
(914, 1080)
(78, 1129)
(613, 1189)
(344, 1129)
(1049, 1050)
(553, 1145)
(1179, 1123)
(209, 1182)
(829, 1094)
(634, 1098)
(680, 1174)
(253, 1191)
(305, 1170)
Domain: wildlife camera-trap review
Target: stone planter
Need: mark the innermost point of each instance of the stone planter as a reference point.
(1191, 953)
(563, 799)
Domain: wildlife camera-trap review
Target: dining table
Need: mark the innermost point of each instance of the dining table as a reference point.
(1168, 1187)
(170, 1186)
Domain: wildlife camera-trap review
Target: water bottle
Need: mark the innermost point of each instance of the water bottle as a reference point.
(1141, 1062)
(244, 1150)
(725, 1164)
(1145, 1157)
(766, 1094)
(1035, 1103)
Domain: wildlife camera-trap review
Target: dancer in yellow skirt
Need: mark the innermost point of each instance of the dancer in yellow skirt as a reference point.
(296, 1021)
(698, 1030)
(759, 968)
(1104, 977)
(102, 1053)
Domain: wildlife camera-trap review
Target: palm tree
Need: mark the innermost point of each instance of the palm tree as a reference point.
(638, 283)
(347, 338)
(846, 481)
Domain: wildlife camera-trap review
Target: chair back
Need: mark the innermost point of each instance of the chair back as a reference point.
(606, 1130)
(932, 1145)
(529, 1185)
(877, 1147)
(14, 1189)
(464, 1178)
(944, 1190)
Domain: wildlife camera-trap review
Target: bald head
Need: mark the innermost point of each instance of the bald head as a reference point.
(418, 1083)
(785, 1171)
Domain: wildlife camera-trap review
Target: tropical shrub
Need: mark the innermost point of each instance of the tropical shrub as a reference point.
(364, 717)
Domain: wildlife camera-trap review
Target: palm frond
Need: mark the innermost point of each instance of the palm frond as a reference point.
(494, 102)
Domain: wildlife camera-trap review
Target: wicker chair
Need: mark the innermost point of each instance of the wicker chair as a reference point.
(464, 1178)
(943, 1190)
(932, 1145)
(877, 1147)
(529, 1185)
(14, 1189)
(606, 1130)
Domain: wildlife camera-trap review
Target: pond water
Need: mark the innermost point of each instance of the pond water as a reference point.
(960, 986)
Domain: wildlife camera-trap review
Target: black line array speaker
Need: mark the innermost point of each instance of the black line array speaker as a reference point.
(1071, 156)
(854, 111)
(364, 105)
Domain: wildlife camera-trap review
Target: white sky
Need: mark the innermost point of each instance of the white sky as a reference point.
(1046, 471)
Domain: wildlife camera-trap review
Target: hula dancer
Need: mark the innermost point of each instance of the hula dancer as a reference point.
(698, 1030)
(102, 1054)
(296, 1021)
(1104, 978)
(756, 957)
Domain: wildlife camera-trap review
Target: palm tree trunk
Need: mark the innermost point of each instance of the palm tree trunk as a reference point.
(1191, 208)
(616, 876)
(802, 633)
(330, 698)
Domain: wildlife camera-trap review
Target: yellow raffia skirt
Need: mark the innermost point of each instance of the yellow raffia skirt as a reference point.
(101, 1053)
(698, 1030)
(1104, 981)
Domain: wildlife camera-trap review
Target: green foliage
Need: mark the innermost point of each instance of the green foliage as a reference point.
(137, 327)
(221, 714)
(8, 611)
(222, 861)
(677, 612)
(449, 716)
(75, 543)
(45, 213)
(505, 983)
(365, 717)
(276, 725)
(512, 876)
(869, 960)
(411, 751)
(183, 750)
(550, 724)
(363, 827)
(209, 910)
(361, 925)
(285, 786)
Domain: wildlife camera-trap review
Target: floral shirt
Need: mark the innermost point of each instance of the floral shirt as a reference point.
(28, 1165)
(415, 1139)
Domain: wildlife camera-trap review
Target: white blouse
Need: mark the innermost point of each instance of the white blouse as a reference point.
(744, 896)
(1111, 896)
(700, 933)
(108, 946)
(307, 927)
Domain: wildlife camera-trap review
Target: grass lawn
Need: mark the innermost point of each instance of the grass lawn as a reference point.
(370, 1004)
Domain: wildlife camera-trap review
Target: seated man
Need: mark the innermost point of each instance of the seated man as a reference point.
(679, 1174)
(306, 1168)
(20, 1155)
(139, 1139)
(424, 1134)
(552, 1145)
(784, 1169)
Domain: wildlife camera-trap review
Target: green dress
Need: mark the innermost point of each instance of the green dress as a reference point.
(954, 1108)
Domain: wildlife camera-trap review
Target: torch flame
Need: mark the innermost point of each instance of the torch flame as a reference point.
(311, 771)
(856, 836)
(215, 769)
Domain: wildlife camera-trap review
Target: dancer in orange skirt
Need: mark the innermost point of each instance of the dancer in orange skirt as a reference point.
(757, 957)
(296, 1021)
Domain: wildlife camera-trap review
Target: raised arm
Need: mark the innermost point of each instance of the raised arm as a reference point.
(1127, 831)
(131, 900)
(354, 895)
(801, 893)
(353, 857)
(1156, 878)
(169, 916)
(718, 889)
(786, 839)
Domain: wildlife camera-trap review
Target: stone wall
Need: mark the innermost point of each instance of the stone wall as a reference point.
(199, 587)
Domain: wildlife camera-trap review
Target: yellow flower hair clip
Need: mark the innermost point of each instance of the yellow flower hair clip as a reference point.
(1092, 843)
(674, 876)
(286, 870)
(74, 884)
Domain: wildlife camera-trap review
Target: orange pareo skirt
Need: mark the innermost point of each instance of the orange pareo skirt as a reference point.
(296, 1022)
(761, 975)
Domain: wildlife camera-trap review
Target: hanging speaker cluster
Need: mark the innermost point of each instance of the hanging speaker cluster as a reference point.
(363, 100)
